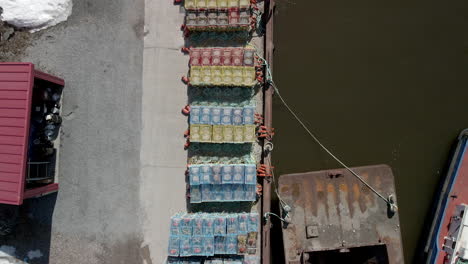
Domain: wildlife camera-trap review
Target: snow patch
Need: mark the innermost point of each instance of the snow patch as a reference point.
(34, 254)
(7, 255)
(35, 14)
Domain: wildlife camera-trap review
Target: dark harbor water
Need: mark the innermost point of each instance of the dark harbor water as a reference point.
(378, 82)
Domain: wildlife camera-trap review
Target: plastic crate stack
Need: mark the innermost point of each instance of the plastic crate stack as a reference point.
(218, 15)
(228, 66)
(214, 260)
(222, 124)
(222, 182)
(213, 234)
(221, 167)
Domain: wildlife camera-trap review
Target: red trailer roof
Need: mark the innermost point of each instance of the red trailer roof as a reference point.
(16, 84)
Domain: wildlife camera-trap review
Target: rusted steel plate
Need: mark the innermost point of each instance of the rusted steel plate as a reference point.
(332, 209)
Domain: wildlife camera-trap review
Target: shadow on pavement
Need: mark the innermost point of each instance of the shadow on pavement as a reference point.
(30, 239)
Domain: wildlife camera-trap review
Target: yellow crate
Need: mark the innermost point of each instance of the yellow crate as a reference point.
(249, 76)
(222, 3)
(202, 3)
(228, 134)
(244, 3)
(237, 75)
(206, 75)
(212, 4)
(217, 134)
(217, 75)
(250, 133)
(206, 133)
(195, 133)
(233, 3)
(238, 134)
(227, 75)
(195, 75)
(190, 4)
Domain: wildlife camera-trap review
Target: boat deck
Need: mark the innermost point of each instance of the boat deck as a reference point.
(453, 193)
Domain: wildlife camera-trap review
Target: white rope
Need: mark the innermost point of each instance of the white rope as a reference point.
(269, 79)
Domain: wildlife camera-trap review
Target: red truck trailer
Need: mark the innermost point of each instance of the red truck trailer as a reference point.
(30, 103)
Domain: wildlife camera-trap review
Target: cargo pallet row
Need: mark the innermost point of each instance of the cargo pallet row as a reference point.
(226, 134)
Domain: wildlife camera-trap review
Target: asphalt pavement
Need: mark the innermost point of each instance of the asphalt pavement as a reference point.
(97, 216)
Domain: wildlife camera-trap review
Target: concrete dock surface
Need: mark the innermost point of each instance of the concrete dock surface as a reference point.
(122, 159)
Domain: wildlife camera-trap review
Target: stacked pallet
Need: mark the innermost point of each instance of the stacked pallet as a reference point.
(221, 111)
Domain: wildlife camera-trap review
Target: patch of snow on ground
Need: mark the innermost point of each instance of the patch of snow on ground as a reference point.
(34, 254)
(7, 255)
(35, 14)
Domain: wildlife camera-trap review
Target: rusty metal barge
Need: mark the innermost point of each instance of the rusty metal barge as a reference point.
(334, 218)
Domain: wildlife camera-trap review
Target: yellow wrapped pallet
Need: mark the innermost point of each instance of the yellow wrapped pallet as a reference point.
(206, 75)
(238, 134)
(217, 134)
(190, 4)
(222, 3)
(249, 133)
(228, 134)
(233, 3)
(206, 133)
(237, 75)
(202, 3)
(244, 3)
(216, 75)
(195, 133)
(227, 75)
(195, 75)
(249, 76)
(212, 4)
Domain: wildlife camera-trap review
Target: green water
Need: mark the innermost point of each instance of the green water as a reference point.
(378, 82)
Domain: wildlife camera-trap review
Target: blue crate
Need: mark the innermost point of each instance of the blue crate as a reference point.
(231, 244)
(237, 116)
(227, 174)
(215, 116)
(220, 245)
(238, 174)
(174, 246)
(250, 174)
(217, 192)
(248, 115)
(205, 115)
(219, 225)
(195, 112)
(207, 193)
(197, 225)
(208, 245)
(232, 224)
(233, 260)
(238, 192)
(197, 246)
(185, 247)
(208, 225)
(251, 259)
(228, 193)
(226, 115)
(195, 194)
(186, 225)
(205, 174)
(243, 223)
(254, 220)
(194, 174)
(216, 176)
(250, 192)
(175, 225)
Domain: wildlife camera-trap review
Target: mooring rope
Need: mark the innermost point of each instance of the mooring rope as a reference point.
(269, 78)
